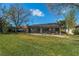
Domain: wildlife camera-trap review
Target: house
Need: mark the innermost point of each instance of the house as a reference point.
(44, 28)
(49, 28)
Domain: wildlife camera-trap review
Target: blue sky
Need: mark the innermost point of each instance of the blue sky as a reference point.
(40, 14)
(47, 18)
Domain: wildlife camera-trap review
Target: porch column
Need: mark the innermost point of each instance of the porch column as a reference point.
(41, 30)
(31, 30)
(54, 30)
(50, 30)
(60, 31)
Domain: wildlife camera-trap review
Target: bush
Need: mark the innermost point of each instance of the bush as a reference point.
(4, 27)
(76, 31)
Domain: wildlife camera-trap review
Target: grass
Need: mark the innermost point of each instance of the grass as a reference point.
(30, 45)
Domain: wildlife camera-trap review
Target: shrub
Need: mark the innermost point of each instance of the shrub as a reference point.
(76, 31)
(4, 26)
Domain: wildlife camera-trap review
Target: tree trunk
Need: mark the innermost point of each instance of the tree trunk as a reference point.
(15, 30)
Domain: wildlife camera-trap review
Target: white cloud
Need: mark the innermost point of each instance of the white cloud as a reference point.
(36, 12)
(64, 11)
(60, 19)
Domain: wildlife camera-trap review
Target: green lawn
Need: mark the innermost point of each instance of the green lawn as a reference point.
(25, 44)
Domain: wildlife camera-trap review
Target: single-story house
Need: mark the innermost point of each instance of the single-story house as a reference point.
(44, 28)
(50, 28)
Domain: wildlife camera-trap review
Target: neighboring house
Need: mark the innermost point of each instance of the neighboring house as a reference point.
(69, 31)
(19, 28)
(77, 27)
(22, 28)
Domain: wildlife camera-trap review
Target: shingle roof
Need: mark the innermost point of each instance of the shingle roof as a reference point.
(46, 25)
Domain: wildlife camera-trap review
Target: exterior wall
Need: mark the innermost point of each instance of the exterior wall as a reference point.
(44, 30)
(69, 31)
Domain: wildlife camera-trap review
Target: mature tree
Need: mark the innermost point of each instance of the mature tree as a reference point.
(70, 20)
(67, 11)
(18, 15)
(61, 8)
(3, 19)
